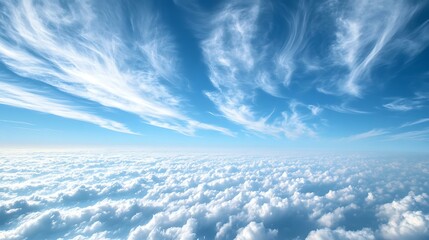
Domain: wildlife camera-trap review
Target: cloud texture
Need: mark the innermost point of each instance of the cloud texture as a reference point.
(260, 67)
(83, 49)
(136, 195)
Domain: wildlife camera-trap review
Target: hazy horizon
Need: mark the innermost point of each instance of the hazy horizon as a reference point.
(207, 119)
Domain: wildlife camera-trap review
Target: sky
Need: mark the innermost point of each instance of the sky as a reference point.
(335, 75)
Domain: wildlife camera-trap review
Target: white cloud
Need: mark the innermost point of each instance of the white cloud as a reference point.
(370, 198)
(297, 23)
(370, 134)
(236, 56)
(83, 52)
(419, 135)
(153, 195)
(24, 98)
(345, 109)
(338, 234)
(403, 105)
(403, 221)
(17, 122)
(315, 110)
(420, 121)
(332, 218)
(255, 231)
(365, 31)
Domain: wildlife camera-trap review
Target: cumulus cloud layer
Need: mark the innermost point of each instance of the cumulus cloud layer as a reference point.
(96, 195)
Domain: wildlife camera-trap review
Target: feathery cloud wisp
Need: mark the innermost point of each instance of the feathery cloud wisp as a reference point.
(365, 29)
(234, 55)
(369, 134)
(404, 105)
(420, 121)
(86, 53)
(417, 135)
(24, 98)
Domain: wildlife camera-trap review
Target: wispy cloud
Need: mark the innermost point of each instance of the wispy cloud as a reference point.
(343, 108)
(418, 135)
(420, 121)
(85, 52)
(404, 104)
(365, 30)
(235, 53)
(388, 135)
(24, 98)
(297, 23)
(370, 134)
(418, 101)
(315, 110)
(17, 122)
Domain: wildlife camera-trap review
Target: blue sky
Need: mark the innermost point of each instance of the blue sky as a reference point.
(271, 74)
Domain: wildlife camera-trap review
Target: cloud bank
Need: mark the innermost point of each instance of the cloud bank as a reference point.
(136, 195)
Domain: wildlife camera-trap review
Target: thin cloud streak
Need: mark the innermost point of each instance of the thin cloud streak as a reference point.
(24, 98)
(85, 54)
(345, 109)
(418, 135)
(17, 122)
(369, 134)
(420, 121)
(404, 105)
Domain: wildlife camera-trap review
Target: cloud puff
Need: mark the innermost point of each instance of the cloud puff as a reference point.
(255, 231)
(154, 195)
(328, 234)
(404, 219)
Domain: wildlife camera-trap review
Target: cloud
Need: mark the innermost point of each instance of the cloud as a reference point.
(25, 98)
(345, 109)
(153, 195)
(370, 134)
(419, 135)
(315, 110)
(420, 121)
(255, 231)
(235, 54)
(328, 234)
(332, 218)
(404, 105)
(366, 30)
(297, 23)
(17, 122)
(403, 221)
(81, 49)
